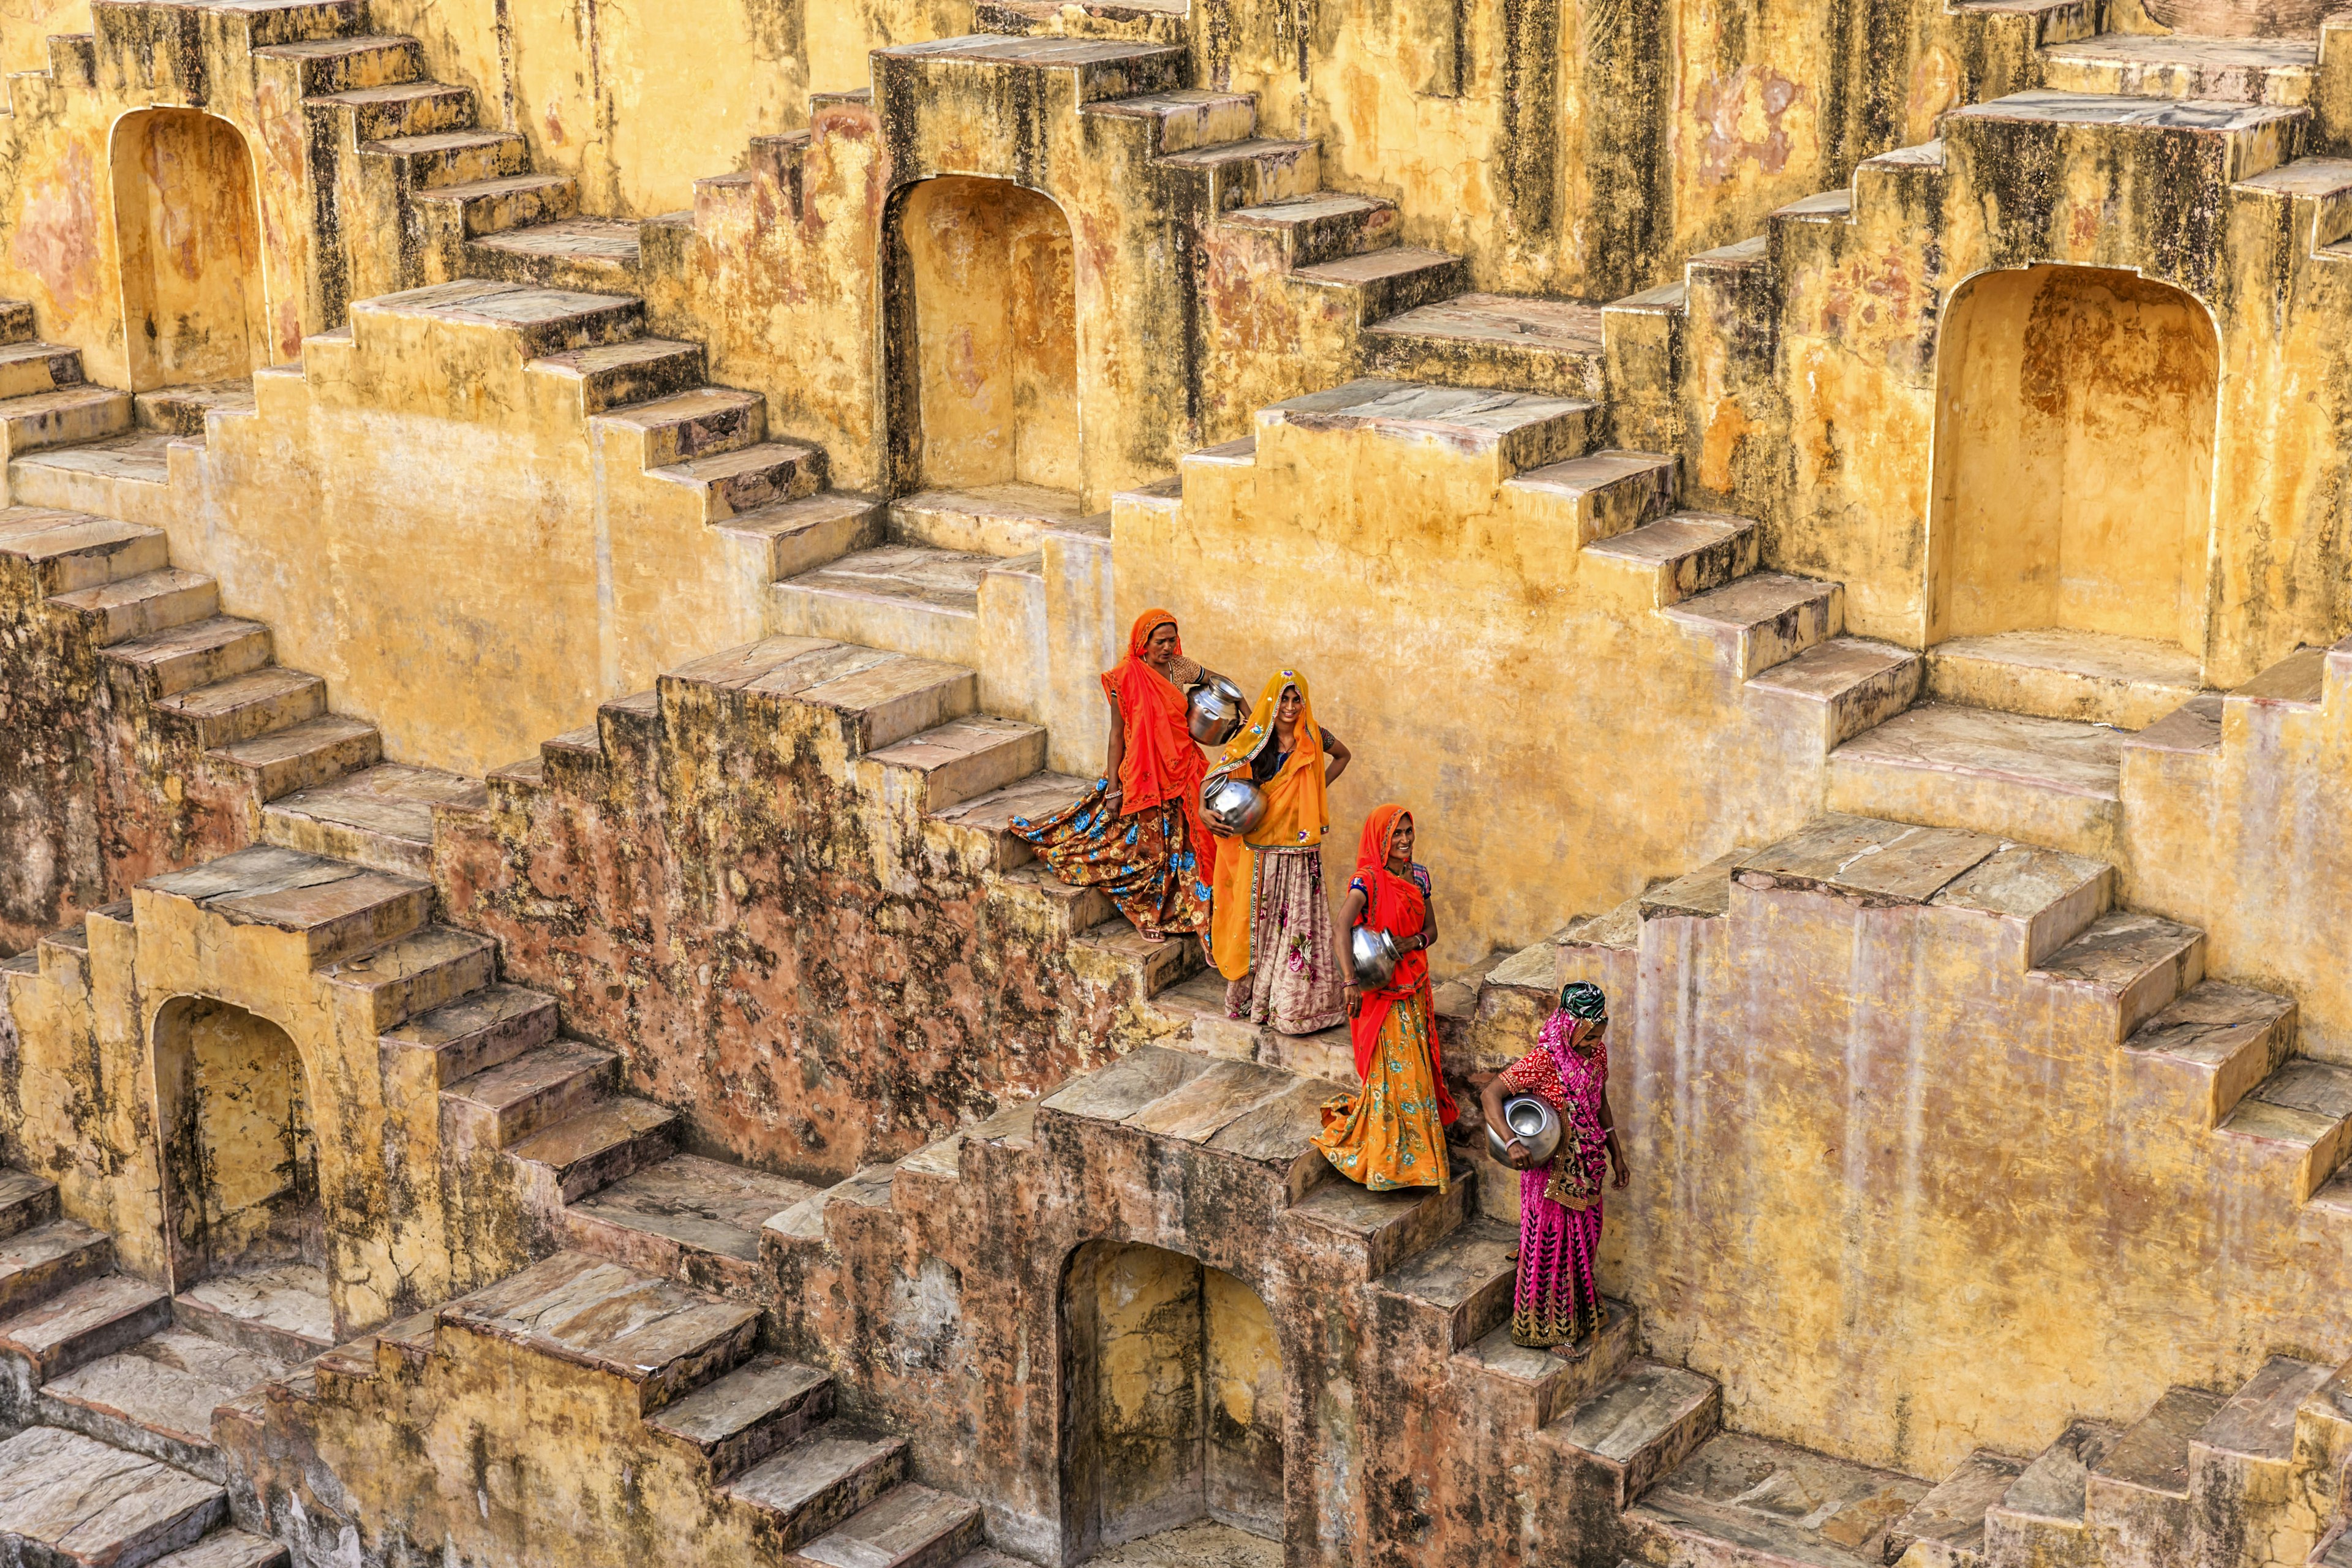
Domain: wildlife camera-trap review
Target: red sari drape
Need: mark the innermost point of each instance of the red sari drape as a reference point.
(1396, 905)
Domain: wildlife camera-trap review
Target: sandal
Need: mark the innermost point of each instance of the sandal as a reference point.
(1576, 1351)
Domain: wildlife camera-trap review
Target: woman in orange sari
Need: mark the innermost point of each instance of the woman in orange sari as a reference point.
(1138, 834)
(1271, 920)
(1392, 1132)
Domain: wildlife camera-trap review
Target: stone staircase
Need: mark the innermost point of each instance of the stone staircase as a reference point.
(110, 1390)
(751, 1437)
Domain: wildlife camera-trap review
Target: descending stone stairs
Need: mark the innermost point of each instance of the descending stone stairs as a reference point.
(110, 1386)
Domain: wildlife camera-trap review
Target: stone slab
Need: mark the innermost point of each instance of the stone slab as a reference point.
(91, 1503)
(710, 1204)
(170, 1383)
(290, 1297)
(1950, 1518)
(1779, 1500)
(1888, 860)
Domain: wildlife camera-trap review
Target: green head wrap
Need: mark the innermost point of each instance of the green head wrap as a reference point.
(1583, 1001)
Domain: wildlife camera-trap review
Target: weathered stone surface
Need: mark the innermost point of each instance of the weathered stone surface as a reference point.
(96, 1505)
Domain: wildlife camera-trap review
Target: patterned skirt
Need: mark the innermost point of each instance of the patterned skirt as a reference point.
(1558, 1299)
(1293, 986)
(1390, 1134)
(1144, 860)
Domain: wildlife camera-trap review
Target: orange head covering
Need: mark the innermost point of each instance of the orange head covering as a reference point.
(1162, 763)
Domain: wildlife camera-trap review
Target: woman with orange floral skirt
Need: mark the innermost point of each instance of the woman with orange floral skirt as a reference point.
(1138, 834)
(1392, 1132)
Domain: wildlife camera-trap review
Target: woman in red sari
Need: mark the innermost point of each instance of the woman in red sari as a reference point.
(1138, 834)
(1392, 1132)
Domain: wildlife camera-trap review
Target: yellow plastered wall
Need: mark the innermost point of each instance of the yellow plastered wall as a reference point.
(188, 234)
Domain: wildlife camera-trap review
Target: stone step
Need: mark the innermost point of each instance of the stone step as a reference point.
(69, 1499)
(2087, 676)
(802, 536)
(879, 697)
(414, 972)
(380, 817)
(1387, 281)
(2244, 1460)
(137, 607)
(302, 757)
(282, 1310)
(339, 910)
(1383, 1229)
(536, 1088)
(1531, 1388)
(1158, 965)
(819, 1482)
(2219, 1041)
(962, 759)
(44, 1260)
(244, 706)
(1843, 687)
(26, 1201)
(569, 253)
(1251, 1115)
(1322, 226)
(184, 410)
(688, 1217)
(703, 421)
(198, 653)
(229, 1549)
(990, 817)
(1186, 118)
(1527, 344)
(1682, 554)
(750, 477)
(84, 1322)
(610, 1141)
(1605, 493)
(2278, 71)
(84, 475)
(2236, 142)
(1763, 619)
(1199, 1004)
(639, 370)
(16, 322)
(1093, 71)
(157, 1397)
(1001, 519)
(1641, 1426)
(29, 369)
(2136, 962)
(539, 322)
(1947, 1525)
(1509, 432)
(2138, 1491)
(2042, 1510)
(399, 108)
(1250, 171)
(1458, 1290)
(737, 1421)
(64, 552)
(484, 1029)
(327, 67)
(479, 207)
(910, 1525)
(905, 597)
(454, 157)
(64, 418)
(2301, 1113)
(2046, 781)
(659, 1338)
(1743, 1500)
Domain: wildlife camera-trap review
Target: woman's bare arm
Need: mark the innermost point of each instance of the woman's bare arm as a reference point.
(1116, 753)
(1609, 1135)
(1336, 750)
(1351, 909)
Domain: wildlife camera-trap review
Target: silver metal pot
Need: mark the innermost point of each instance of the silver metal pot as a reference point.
(1215, 711)
(1376, 955)
(1536, 1125)
(1232, 804)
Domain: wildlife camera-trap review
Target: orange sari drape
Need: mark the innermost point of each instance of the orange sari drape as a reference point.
(1297, 818)
(1161, 761)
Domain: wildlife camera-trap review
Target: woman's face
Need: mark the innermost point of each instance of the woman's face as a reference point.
(1400, 845)
(1287, 707)
(1590, 1035)
(1160, 645)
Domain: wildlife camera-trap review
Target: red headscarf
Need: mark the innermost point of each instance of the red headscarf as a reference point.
(1396, 905)
(1162, 761)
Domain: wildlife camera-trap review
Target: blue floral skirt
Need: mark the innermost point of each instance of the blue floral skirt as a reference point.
(1144, 860)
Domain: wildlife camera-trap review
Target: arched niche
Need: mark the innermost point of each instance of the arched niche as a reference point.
(1172, 1401)
(2075, 420)
(240, 1155)
(188, 232)
(985, 331)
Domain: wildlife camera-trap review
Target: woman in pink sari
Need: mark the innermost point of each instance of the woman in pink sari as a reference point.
(1557, 1305)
